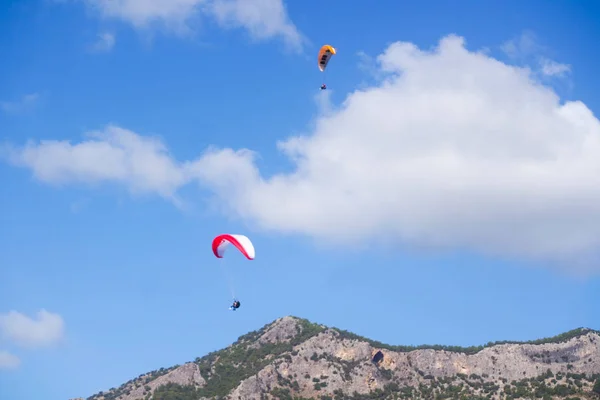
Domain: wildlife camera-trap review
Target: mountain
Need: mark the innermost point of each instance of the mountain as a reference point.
(295, 359)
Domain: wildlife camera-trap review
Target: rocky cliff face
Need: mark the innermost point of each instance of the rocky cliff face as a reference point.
(294, 359)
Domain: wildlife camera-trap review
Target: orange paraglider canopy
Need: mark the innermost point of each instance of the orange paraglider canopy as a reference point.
(325, 54)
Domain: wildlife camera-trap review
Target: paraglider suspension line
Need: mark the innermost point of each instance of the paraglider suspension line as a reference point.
(228, 277)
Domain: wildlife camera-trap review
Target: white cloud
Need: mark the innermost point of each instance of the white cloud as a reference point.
(553, 68)
(141, 163)
(45, 330)
(104, 43)
(527, 49)
(522, 46)
(264, 19)
(142, 13)
(23, 104)
(8, 360)
(454, 149)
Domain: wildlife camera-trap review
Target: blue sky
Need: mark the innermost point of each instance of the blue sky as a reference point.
(436, 194)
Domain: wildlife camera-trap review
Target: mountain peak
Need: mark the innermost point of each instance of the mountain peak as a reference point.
(282, 330)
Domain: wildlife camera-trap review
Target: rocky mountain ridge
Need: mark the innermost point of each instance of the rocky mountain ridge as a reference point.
(294, 359)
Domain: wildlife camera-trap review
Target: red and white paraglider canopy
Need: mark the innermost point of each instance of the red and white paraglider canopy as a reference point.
(241, 242)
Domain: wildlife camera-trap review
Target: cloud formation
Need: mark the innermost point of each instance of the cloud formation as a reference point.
(263, 19)
(453, 149)
(104, 43)
(45, 330)
(553, 68)
(8, 360)
(17, 106)
(522, 46)
(143, 164)
(526, 48)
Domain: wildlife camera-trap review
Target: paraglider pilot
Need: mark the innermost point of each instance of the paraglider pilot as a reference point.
(236, 304)
(323, 87)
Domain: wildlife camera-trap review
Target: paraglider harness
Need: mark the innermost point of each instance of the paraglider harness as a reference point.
(236, 304)
(323, 87)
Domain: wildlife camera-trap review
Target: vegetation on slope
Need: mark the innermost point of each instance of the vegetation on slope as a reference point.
(563, 337)
(129, 386)
(174, 391)
(545, 387)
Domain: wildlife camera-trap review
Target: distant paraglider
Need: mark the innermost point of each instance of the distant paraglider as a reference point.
(325, 54)
(220, 244)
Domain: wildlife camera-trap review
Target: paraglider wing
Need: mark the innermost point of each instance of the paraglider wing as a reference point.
(325, 55)
(241, 242)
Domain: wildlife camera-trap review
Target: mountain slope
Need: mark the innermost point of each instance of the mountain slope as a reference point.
(292, 358)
